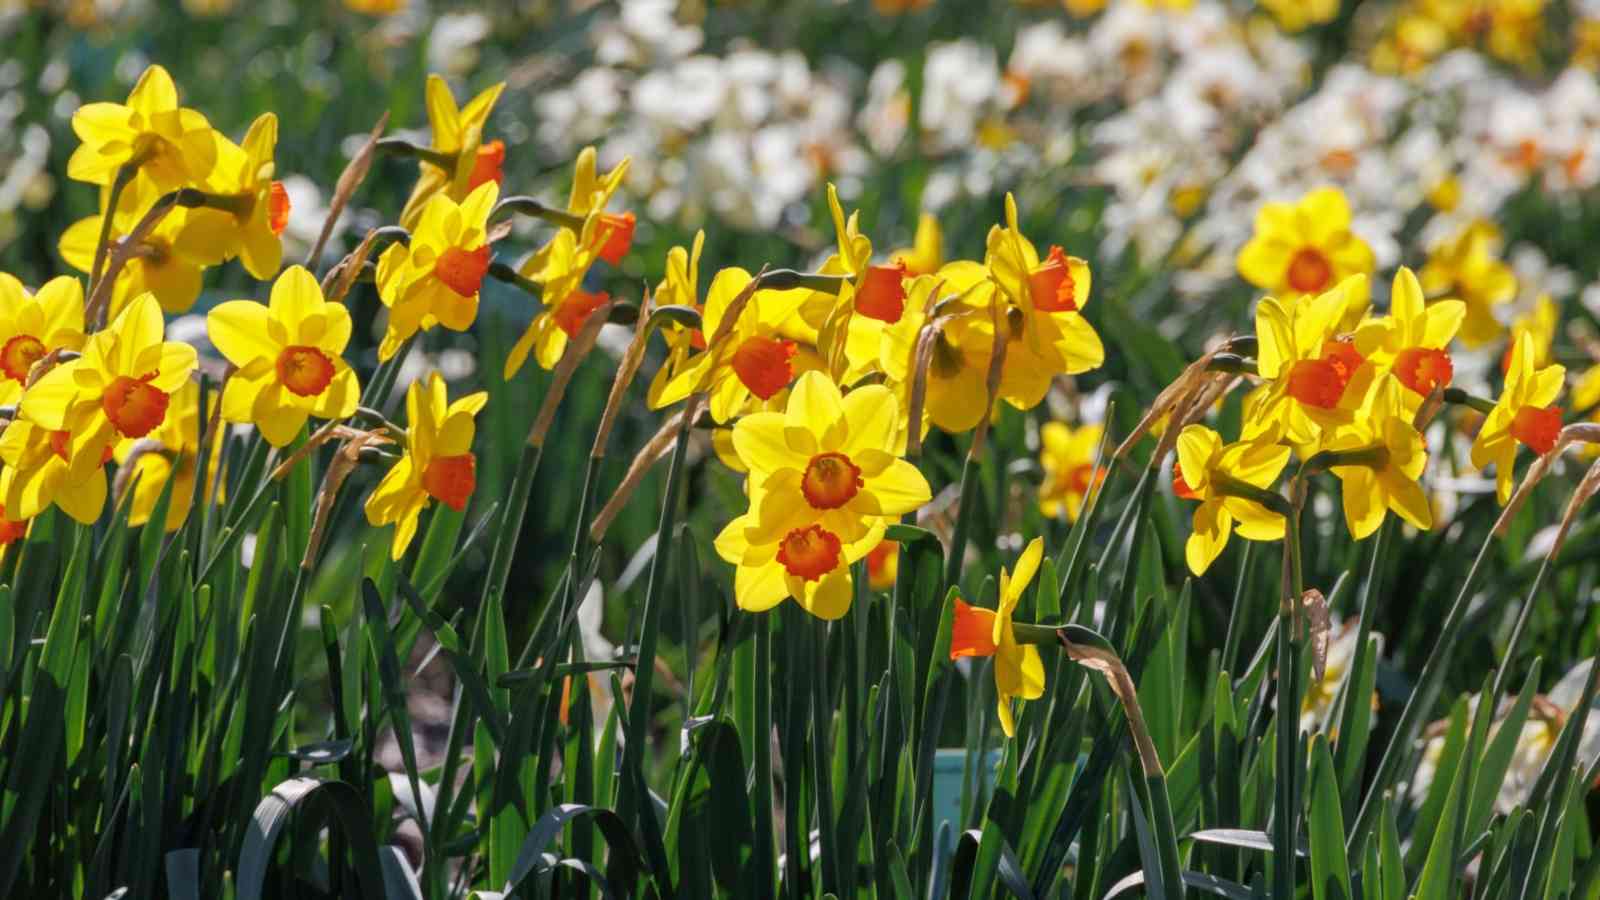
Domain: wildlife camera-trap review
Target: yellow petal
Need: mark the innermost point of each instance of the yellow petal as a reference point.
(238, 329)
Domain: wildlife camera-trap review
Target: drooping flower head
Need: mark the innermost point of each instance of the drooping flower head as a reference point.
(458, 136)
(1018, 668)
(1209, 471)
(165, 264)
(825, 478)
(436, 278)
(437, 464)
(289, 356)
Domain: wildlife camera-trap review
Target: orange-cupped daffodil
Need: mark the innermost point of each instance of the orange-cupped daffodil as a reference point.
(289, 356)
(1305, 247)
(165, 264)
(1524, 414)
(33, 325)
(171, 145)
(1466, 267)
(1018, 668)
(1308, 374)
(1066, 455)
(437, 464)
(752, 362)
(175, 454)
(956, 396)
(39, 473)
(252, 209)
(825, 479)
(458, 137)
(1221, 477)
(871, 296)
(435, 278)
(1048, 332)
(1388, 479)
(1413, 342)
(680, 287)
(119, 388)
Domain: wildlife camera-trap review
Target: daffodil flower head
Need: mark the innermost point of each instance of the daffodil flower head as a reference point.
(1048, 333)
(752, 362)
(956, 397)
(40, 472)
(173, 452)
(257, 207)
(119, 388)
(1066, 455)
(289, 357)
(1307, 371)
(32, 326)
(1523, 414)
(1466, 267)
(437, 464)
(825, 477)
(1413, 341)
(1392, 456)
(871, 297)
(458, 135)
(1018, 668)
(1305, 247)
(171, 145)
(435, 279)
(164, 265)
(680, 287)
(1213, 473)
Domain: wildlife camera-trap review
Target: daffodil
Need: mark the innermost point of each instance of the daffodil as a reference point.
(1305, 247)
(1018, 668)
(560, 266)
(1306, 371)
(1413, 341)
(32, 326)
(825, 478)
(1466, 267)
(119, 388)
(171, 145)
(956, 397)
(883, 565)
(289, 356)
(753, 362)
(435, 279)
(248, 211)
(437, 464)
(1523, 415)
(871, 297)
(1222, 477)
(926, 253)
(40, 472)
(1066, 455)
(1048, 332)
(174, 454)
(1387, 478)
(164, 264)
(458, 138)
(680, 287)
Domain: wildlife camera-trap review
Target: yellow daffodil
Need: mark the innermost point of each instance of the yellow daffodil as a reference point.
(957, 394)
(1306, 247)
(753, 362)
(1213, 473)
(1048, 332)
(926, 253)
(256, 207)
(34, 325)
(1466, 267)
(437, 464)
(1388, 480)
(39, 473)
(119, 388)
(171, 145)
(435, 279)
(825, 478)
(1523, 414)
(1308, 375)
(289, 356)
(560, 265)
(1066, 455)
(457, 136)
(872, 297)
(174, 453)
(680, 287)
(1018, 668)
(165, 264)
(1298, 15)
(1413, 341)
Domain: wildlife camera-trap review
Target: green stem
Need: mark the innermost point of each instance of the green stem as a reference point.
(1509, 658)
(1461, 398)
(789, 279)
(528, 206)
(403, 147)
(501, 272)
(958, 538)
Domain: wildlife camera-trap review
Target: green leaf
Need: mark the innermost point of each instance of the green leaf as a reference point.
(1330, 870)
(307, 801)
